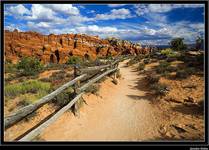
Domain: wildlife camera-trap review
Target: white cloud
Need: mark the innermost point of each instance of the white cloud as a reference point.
(162, 8)
(150, 31)
(159, 8)
(96, 29)
(18, 10)
(39, 12)
(12, 27)
(68, 9)
(115, 14)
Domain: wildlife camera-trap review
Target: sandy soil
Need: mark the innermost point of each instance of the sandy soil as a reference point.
(120, 112)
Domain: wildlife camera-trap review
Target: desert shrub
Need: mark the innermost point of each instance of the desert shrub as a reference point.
(184, 73)
(64, 97)
(109, 57)
(29, 66)
(152, 78)
(162, 67)
(10, 68)
(173, 55)
(141, 66)
(146, 61)
(159, 89)
(32, 86)
(74, 60)
(166, 51)
(170, 54)
(93, 89)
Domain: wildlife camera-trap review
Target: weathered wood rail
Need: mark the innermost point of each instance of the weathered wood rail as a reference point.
(80, 74)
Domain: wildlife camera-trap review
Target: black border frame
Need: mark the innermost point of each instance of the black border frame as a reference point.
(193, 144)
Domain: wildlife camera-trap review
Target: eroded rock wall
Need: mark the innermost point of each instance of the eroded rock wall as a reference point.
(57, 48)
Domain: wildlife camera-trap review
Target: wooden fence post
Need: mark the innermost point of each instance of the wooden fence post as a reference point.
(76, 86)
(115, 81)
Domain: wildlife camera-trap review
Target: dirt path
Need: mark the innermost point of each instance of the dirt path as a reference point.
(120, 112)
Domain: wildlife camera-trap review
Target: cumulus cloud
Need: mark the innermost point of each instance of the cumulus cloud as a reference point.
(96, 29)
(68, 9)
(18, 10)
(41, 13)
(115, 14)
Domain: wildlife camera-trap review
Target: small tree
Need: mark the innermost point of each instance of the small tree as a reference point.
(29, 65)
(178, 44)
(74, 60)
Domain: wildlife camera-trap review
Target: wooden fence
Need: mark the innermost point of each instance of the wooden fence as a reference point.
(87, 76)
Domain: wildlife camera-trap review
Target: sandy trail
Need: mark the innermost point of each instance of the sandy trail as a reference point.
(120, 112)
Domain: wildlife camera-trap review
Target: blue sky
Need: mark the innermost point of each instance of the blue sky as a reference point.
(154, 24)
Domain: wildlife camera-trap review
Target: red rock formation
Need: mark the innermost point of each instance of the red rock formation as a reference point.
(57, 48)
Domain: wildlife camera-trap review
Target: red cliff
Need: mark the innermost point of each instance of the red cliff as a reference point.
(57, 48)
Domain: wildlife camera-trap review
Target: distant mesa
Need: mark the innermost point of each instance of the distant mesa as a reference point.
(57, 48)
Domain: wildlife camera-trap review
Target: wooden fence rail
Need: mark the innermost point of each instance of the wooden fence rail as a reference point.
(30, 136)
(21, 113)
(79, 75)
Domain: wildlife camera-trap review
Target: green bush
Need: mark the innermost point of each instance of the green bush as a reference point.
(184, 73)
(141, 66)
(32, 86)
(173, 55)
(74, 60)
(146, 61)
(162, 67)
(170, 54)
(64, 97)
(29, 66)
(166, 51)
(152, 78)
